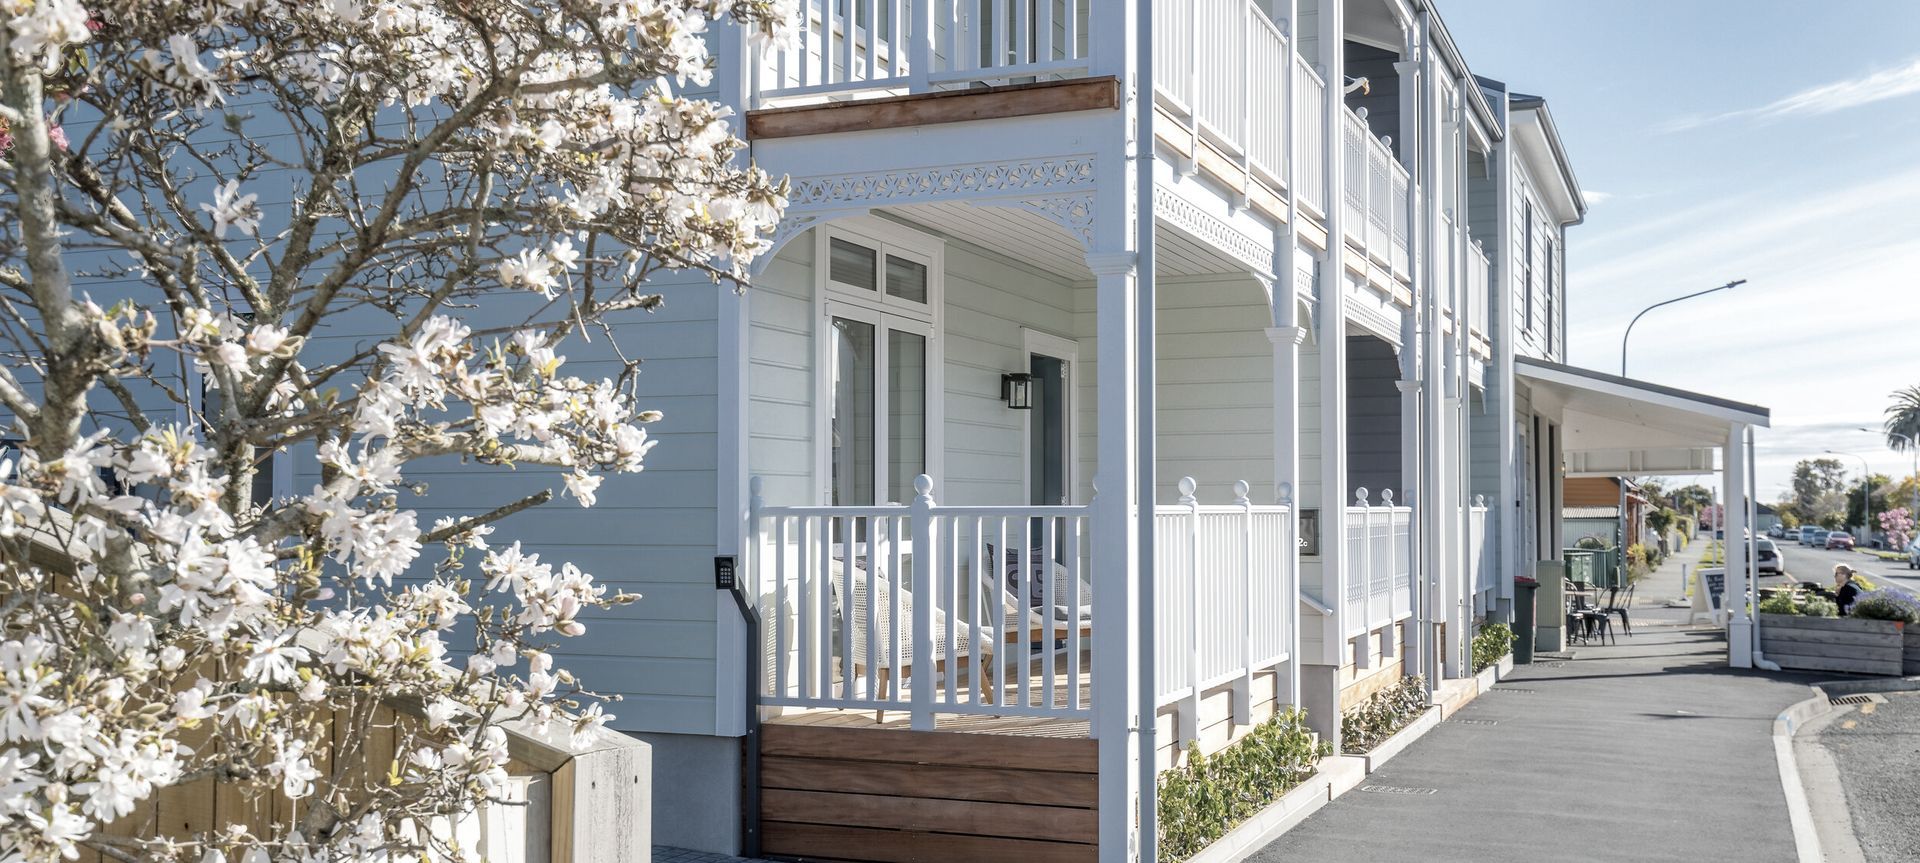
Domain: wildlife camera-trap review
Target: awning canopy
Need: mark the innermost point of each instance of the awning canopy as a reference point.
(1617, 426)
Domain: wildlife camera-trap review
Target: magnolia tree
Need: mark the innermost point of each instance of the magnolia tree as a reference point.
(194, 191)
(1898, 523)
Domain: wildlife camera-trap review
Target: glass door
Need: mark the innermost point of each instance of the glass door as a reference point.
(1048, 443)
(877, 422)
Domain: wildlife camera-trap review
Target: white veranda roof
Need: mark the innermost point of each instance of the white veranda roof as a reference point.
(1617, 426)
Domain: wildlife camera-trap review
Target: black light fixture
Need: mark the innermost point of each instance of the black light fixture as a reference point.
(1016, 389)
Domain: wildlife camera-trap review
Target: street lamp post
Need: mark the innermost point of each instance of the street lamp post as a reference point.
(1866, 491)
(1636, 318)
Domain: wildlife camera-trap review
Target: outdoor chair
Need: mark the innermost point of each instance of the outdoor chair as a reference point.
(1616, 606)
(1055, 601)
(874, 646)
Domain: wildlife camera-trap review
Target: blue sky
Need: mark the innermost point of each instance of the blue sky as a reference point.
(1776, 142)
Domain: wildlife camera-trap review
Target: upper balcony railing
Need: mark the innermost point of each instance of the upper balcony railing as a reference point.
(1376, 194)
(1210, 59)
(854, 48)
(1479, 288)
(1310, 125)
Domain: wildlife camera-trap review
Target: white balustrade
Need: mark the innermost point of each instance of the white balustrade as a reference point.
(1480, 549)
(1376, 196)
(1379, 563)
(1310, 131)
(1479, 288)
(880, 47)
(924, 608)
(1223, 589)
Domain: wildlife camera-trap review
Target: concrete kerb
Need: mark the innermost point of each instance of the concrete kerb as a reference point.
(1807, 716)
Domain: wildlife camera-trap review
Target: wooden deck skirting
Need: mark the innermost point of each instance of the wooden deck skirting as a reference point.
(927, 109)
(886, 795)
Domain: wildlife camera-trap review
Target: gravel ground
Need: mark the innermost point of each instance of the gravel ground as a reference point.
(1877, 750)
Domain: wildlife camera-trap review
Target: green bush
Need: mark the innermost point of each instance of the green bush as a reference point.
(1210, 794)
(1492, 641)
(1820, 606)
(1780, 602)
(1371, 722)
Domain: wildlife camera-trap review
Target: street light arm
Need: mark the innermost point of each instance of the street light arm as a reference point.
(1643, 312)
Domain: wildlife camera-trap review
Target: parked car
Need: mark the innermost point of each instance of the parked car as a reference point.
(1839, 539)
(1819, 538)
(1776, 531)
(1806, 533)
(1913, 554)
(1768, 556)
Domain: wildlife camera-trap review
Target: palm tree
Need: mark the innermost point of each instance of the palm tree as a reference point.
(1903, 418)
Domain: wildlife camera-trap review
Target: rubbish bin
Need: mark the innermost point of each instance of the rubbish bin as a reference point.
(1523, 590)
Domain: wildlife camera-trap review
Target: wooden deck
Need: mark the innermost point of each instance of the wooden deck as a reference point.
(843, 785)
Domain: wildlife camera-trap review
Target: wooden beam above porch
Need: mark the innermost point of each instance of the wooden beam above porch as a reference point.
(927, 109)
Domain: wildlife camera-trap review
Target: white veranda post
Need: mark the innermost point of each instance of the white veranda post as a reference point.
(1734, 514)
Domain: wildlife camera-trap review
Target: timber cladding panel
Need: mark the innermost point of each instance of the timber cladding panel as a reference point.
(897, 796)
(1846, 644)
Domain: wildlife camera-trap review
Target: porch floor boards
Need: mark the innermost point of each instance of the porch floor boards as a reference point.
(899, 716)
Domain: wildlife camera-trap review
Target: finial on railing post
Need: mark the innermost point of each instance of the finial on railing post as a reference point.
(1284, 494)
(756, 487)
(1480, 500)
(1360, 496)
(1241, 490)
(1386, 498)
(1187, 488)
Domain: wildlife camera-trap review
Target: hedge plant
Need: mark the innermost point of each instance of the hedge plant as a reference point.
(1210, 794)
(1490, 642)
(1371, 722)
(1886, 605)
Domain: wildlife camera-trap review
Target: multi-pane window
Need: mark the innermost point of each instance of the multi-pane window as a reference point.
(879, 325)
(1526, 268)
(1553, 287)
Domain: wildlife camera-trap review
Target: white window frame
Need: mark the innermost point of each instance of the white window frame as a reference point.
(1047, 344)
(884, 312)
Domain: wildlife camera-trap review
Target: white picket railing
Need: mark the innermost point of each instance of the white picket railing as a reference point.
(911, 46)
(1310, 130)
(1380, 563)
(1481, 550)
(854, 600)
(1479, 288)
(1376, 196)
(1223, 587)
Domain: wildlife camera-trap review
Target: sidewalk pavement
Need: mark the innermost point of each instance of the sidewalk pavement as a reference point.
(1651, 750)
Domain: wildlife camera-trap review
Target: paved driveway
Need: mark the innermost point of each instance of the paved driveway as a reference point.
(1648, 751)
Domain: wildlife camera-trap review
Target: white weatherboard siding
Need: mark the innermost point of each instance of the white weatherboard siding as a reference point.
(1374, 453)
(990, 301)
(1215, 398)
(650, 533)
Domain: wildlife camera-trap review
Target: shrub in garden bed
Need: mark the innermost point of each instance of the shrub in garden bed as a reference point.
(1795, 602)
(1371, 722)
(1490, 642)
(1211, 794)
(1886, 605)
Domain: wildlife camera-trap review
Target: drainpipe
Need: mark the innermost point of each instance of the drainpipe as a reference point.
(1286, 488)
(1431, 392)
(1145, 357)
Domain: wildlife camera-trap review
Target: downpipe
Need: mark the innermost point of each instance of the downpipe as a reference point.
(1753, 564)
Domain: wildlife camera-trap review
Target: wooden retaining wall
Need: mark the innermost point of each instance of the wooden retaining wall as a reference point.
(882, 795)
(1910, 663)
(1832, 644)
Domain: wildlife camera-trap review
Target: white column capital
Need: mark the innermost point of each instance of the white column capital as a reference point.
(1408, 387)
(1112, 263)
(1283, 335)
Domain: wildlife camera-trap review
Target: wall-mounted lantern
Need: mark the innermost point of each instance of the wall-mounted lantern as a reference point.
(1016, 389)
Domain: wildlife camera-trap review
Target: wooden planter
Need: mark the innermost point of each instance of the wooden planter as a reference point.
(1910, 665)
(1836, 644)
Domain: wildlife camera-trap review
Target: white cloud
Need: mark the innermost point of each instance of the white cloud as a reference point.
(1595, 197)
(1891, 83)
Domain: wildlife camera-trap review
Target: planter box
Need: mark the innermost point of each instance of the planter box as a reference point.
(1505, 666)
(1401, 739)
(1910, 665)
(1268, 824)
(1833, 644)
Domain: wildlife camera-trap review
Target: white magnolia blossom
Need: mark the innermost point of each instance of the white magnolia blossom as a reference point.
(341, 237)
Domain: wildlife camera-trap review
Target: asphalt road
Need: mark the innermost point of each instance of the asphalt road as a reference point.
(1874, 749)
(1816, 564)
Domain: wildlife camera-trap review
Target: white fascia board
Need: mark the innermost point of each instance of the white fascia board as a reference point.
(1651, 394)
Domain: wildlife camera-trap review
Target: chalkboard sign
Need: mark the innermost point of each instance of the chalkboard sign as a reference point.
(1716, 580)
